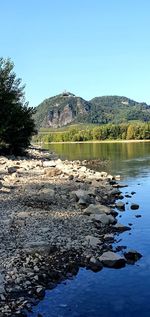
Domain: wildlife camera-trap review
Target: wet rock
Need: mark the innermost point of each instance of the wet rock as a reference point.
(132, 256)
(115, 191)
(120, 205)
(132, 193)
(95, 265)
(112, 260)
(134, 206)
(138, 216)
(40, 292)
(120, 227)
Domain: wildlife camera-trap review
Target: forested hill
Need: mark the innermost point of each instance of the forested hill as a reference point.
(66, 108)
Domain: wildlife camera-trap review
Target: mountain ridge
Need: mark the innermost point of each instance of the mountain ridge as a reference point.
(66, 108)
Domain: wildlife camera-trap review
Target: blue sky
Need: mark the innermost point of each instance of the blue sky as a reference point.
(89, 47)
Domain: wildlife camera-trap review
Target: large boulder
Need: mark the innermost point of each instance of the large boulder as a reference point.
(97, 209)
(103, 219)
(112, 260)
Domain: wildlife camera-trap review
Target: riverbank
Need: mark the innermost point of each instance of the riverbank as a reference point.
(55, 217)
(92, 141)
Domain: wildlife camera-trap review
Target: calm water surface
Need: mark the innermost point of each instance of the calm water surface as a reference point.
(111, 293)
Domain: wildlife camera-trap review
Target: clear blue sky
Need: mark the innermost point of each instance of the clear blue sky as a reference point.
(89, 47)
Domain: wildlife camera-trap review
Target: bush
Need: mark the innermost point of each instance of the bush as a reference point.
(16, 122)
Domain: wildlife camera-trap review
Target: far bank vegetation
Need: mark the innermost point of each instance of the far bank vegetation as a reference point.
(124, 131)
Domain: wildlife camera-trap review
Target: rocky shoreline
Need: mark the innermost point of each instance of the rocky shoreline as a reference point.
(55, 216)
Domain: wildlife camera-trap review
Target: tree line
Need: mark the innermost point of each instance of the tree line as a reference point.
(125, 131)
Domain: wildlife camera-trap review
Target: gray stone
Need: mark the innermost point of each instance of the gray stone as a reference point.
(95, 265)
(97, 209)
(1, 284)
(109, 237)
(37, 247)
(120, 205)
(112, 260)
(120, 227)
(93, 241)
(103, 218)
(115, 191)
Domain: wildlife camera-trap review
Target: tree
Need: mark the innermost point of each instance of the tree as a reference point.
(16, 122)
(130, 132)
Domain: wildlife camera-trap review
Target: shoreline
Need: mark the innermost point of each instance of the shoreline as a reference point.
(56, 216)
(93, 142)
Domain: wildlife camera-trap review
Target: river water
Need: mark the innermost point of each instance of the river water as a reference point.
(111, 293)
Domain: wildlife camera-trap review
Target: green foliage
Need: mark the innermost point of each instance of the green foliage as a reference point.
(54, 111)
(16, 122)
(124, 131)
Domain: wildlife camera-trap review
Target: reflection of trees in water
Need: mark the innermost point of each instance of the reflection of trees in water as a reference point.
(129, 159)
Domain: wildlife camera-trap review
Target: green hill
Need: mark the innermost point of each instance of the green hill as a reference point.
(66, 109)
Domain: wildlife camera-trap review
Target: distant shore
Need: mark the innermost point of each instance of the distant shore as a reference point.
(96, 141)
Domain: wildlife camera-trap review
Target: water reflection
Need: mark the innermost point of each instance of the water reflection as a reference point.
(127, 159)
(111, 293)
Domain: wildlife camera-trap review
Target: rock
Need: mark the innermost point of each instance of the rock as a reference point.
(132, 193)
(45, 195)
(95, 184)
(117, 177)
(120, 227)
(128, 196)
(82, 197)
(40, 292)
(97, 209)
(71, 177)
(93, 241)
(115, 191)
(12, 169)
(112, 260)
(120, 205)
(49, 164)
(138, 216)
(1, 284)
(95, 265)
(40, 247)
(82, 169)
(103, 218)
(134, 206)
(109, 237)
(83, 202)
(53, 172)
(132, 256)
